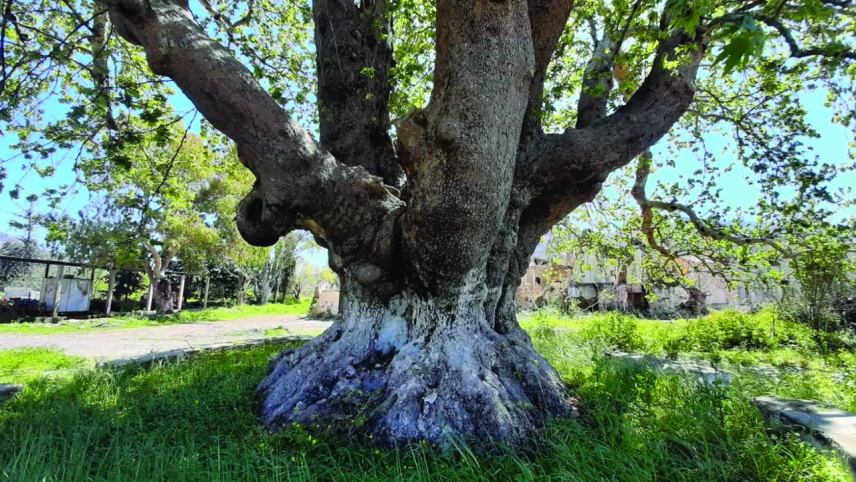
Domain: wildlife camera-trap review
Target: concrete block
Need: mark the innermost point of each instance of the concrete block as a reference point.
(825, 427)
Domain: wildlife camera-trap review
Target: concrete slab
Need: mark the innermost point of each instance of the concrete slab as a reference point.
(826, 427)
(703, 372)
(9, 390)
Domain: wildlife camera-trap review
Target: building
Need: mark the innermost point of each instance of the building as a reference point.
(595, 283)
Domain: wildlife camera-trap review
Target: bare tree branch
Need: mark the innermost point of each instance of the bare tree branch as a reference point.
(547, 19)
(647, 206)
(797, 51)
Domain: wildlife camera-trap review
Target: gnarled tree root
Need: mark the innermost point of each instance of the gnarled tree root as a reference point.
(377, 383)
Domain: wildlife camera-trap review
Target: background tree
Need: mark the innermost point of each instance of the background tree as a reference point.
(24, 245)
(145, 213)
(284, 263)
(431, 233)
(762, 254)
(263, 268)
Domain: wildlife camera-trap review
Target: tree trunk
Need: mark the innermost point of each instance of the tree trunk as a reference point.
(239, 297)
(295, 290)
(163, 297)
(242, 289)
(265, 281)
(428, 342)
(415, 369)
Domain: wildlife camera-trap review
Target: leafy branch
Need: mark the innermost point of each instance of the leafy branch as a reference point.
(648, 206)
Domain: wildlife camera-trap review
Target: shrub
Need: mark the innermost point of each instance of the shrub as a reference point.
(729, 329)
(614, 330)
(823, 274)
(543, 329)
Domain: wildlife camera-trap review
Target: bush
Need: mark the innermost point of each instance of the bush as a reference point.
(615, 330)
(729, 329)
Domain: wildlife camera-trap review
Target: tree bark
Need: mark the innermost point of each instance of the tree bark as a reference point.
(162, 291)
(417, 371)
(428, 343)
(163, 297)
(353, 61)
(243, 284)
(265, 280)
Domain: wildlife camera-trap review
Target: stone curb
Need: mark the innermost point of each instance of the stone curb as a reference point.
(8, 391)
(704, 373)
(827, 428)
(151, 358)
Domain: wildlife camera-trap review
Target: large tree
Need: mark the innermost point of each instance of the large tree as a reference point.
(430, 223)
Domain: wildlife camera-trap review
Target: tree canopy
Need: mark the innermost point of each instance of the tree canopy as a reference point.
(72, 88)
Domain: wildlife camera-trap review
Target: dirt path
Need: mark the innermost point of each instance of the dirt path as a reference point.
(133, 342)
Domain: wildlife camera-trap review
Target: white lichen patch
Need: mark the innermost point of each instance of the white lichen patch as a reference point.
(392, 334)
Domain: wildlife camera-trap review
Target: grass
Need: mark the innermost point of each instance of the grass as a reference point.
(135, 321)
(739, 338)
(805, 364)
(276, 332)
(27, 364)
(193, 420)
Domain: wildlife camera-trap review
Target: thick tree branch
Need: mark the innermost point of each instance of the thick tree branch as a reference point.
(648, 206)
(166, 260)
(597, 78)
(7, 17)
(100, 63)
(298, 183)
(353, 58)
(597, 84)
(557, 173)
(610, 143)
(153, 271)
(547, 19)
(227, 25)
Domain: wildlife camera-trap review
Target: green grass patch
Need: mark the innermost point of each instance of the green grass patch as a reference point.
(276, 332)
(764, 335)
(26, 364)
(194, 420)
(800, 362)
(137, 321)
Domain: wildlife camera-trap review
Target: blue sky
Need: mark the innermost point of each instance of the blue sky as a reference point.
(832, 147)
